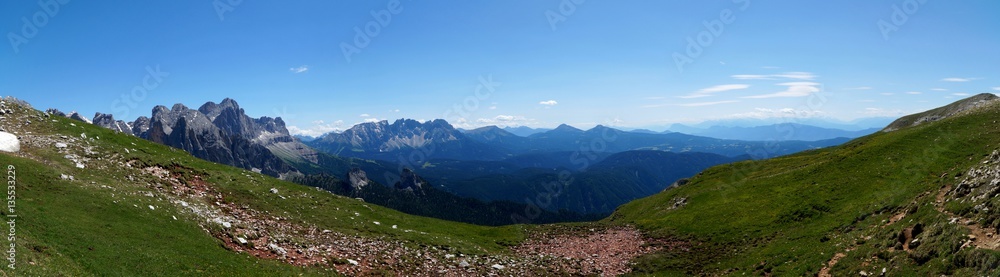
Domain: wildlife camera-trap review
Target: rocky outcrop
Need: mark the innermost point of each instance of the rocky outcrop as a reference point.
(358, 178)
(55, 112)
(409, 181)
(220, 140)
(108, 121)
(77, 116)
(950, 110)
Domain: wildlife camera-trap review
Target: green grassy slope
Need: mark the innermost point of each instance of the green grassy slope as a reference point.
(790, 215)
(100, 223)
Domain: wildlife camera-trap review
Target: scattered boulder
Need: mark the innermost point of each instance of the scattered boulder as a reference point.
(61, 145)
(9, 142)
(274, 190)
(498, 267)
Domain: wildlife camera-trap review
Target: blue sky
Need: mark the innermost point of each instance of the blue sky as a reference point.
(524, 62)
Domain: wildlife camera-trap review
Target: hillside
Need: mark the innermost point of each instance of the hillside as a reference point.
(91, 201)
(912, 202)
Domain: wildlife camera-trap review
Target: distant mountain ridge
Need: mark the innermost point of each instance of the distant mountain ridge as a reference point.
(775, 132)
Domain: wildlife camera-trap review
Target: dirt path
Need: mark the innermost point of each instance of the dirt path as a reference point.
(825, 271)
(979, 237)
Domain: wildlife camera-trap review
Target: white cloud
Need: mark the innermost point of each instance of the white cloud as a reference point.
(299, 69)
(769, 67)
(395, 111)
(958, 79)
(499, 121)
(960, 94)
(939, 89)
(705, 92)
(752, 77)
(996, 88)
(549, 103)
(318, 128)
(877, 112)
(372, 120)
(365, 115)
(494, 107)
(786, 75)
(795, 89)
(764, 113)
(699, 104)
(887, 93)
(867, 101)
(914, 92)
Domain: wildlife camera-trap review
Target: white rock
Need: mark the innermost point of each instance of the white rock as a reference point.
(393, 226)
(377, 223)
(9, 142)
(241, 240)
(227, 224)
(151, 207)
(463, 264)
(79, 165)
(449, 256)
(185, 204)
(82, 135)
(274, 190)
(277, 249)
(61, 145)
(175, 218)
(498, 267)
(353, 262)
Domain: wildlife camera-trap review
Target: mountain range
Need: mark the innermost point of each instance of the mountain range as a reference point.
(916, 199)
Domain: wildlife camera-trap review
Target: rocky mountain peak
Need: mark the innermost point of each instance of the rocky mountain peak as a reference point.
(108, 121)
(358, 178)
(409, 181)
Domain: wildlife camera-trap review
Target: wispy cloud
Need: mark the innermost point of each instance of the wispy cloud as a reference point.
(769, 67)
(960, 94)
(939, 89)
(318, 128)
(859, 88)
(705, 92)
(959, 79)
(795, 89)
(887, 93)
(549, 103)
(699, 104)
(914, 92)
(299, 69)
(764, 113)
(786, 75)
(996, 88)
(873, 112)
(365, 115)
